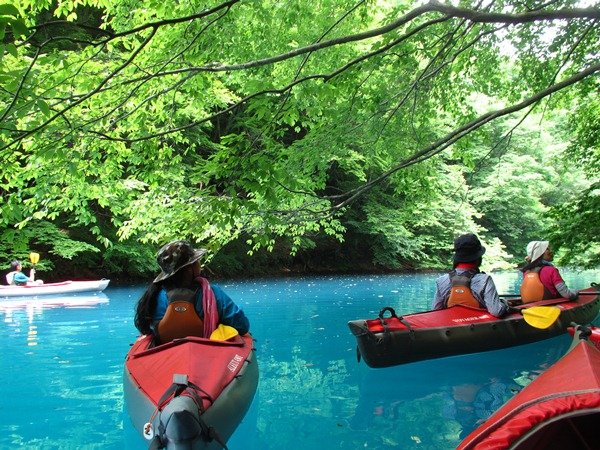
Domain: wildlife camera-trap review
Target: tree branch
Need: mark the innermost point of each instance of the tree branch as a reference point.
(507, 18)
(461, 132)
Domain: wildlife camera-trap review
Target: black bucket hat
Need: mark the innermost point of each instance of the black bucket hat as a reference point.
(174, 256)
(467, 248)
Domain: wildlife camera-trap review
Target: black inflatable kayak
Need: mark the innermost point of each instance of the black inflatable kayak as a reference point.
(389, 340)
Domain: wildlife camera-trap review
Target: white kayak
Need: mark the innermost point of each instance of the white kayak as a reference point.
(64, 287)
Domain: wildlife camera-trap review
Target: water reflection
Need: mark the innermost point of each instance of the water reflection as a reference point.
(459, 392)
(36, 305)
(18, 312)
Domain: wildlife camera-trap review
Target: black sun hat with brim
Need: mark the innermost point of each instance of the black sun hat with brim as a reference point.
(467, 248)
(174, 256)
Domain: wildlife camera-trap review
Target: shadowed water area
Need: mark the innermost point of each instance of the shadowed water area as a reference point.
(62, 365)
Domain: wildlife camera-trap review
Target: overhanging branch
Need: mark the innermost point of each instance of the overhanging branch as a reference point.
(454, 136)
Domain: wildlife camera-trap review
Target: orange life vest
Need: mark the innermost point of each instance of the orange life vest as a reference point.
(180, 319)
(460, 292)
(532, 288)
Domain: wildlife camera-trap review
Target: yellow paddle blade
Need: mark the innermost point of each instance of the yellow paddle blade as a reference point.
(223, 333)
(541, 316)
(34, 257)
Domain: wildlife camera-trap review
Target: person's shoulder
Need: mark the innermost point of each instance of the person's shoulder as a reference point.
(482, 276)
(549, 268)
(553, 273)
(161, 295)
(217, 289)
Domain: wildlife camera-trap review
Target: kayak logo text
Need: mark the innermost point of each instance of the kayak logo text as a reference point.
(471, 319)
(234, 363)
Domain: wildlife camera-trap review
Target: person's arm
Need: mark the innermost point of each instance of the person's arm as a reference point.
(552, 274)
(560, 284)
(230, 313)
(491, 299)
(565, 292)
(161, 305)
(442, 289)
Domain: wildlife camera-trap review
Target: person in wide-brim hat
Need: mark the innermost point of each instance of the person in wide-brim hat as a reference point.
(174, 256)
(548, 284)
(161, 309)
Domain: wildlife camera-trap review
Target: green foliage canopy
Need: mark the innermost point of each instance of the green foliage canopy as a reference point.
(265, 120)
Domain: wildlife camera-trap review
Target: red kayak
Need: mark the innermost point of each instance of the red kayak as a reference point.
(390, 340)
(189, 393)
(591, 333)
(560, 409)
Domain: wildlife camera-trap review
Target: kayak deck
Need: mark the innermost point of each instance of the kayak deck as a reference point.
(223, 376)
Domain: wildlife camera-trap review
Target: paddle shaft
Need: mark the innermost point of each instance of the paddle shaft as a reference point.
(579, 293)
(34, 258)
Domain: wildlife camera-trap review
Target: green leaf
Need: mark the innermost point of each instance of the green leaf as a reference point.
(9, 10)
(43, 106)
(19, 28)
(12, 49)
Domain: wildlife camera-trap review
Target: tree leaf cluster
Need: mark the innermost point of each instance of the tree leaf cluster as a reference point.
(385, 128)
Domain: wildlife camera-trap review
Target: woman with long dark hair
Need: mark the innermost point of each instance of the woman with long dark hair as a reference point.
(181, 303)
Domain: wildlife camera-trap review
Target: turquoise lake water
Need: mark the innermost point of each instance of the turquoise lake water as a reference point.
(62, 365)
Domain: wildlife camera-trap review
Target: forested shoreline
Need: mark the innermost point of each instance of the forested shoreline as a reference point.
(297, 137)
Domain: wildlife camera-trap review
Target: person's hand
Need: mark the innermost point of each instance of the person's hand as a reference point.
(509, 308)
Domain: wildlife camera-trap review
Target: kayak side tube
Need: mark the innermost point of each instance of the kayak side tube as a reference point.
(393, 341)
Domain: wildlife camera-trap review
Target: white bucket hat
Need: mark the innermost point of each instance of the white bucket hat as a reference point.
(535, 249)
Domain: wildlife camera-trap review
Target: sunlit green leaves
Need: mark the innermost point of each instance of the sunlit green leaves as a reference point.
(10, 20)
(143, 136)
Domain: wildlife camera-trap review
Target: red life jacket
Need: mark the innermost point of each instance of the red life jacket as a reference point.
(532, 288)
(460, 292)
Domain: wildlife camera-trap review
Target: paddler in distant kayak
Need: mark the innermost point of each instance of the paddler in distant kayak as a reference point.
(466, 284)
(541, 280)
(16, 277)
(181, 303)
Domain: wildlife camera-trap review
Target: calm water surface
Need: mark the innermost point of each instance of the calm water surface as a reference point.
(62, 363)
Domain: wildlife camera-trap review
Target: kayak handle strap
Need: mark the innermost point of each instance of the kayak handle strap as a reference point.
(394, 316)
(387, 309)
